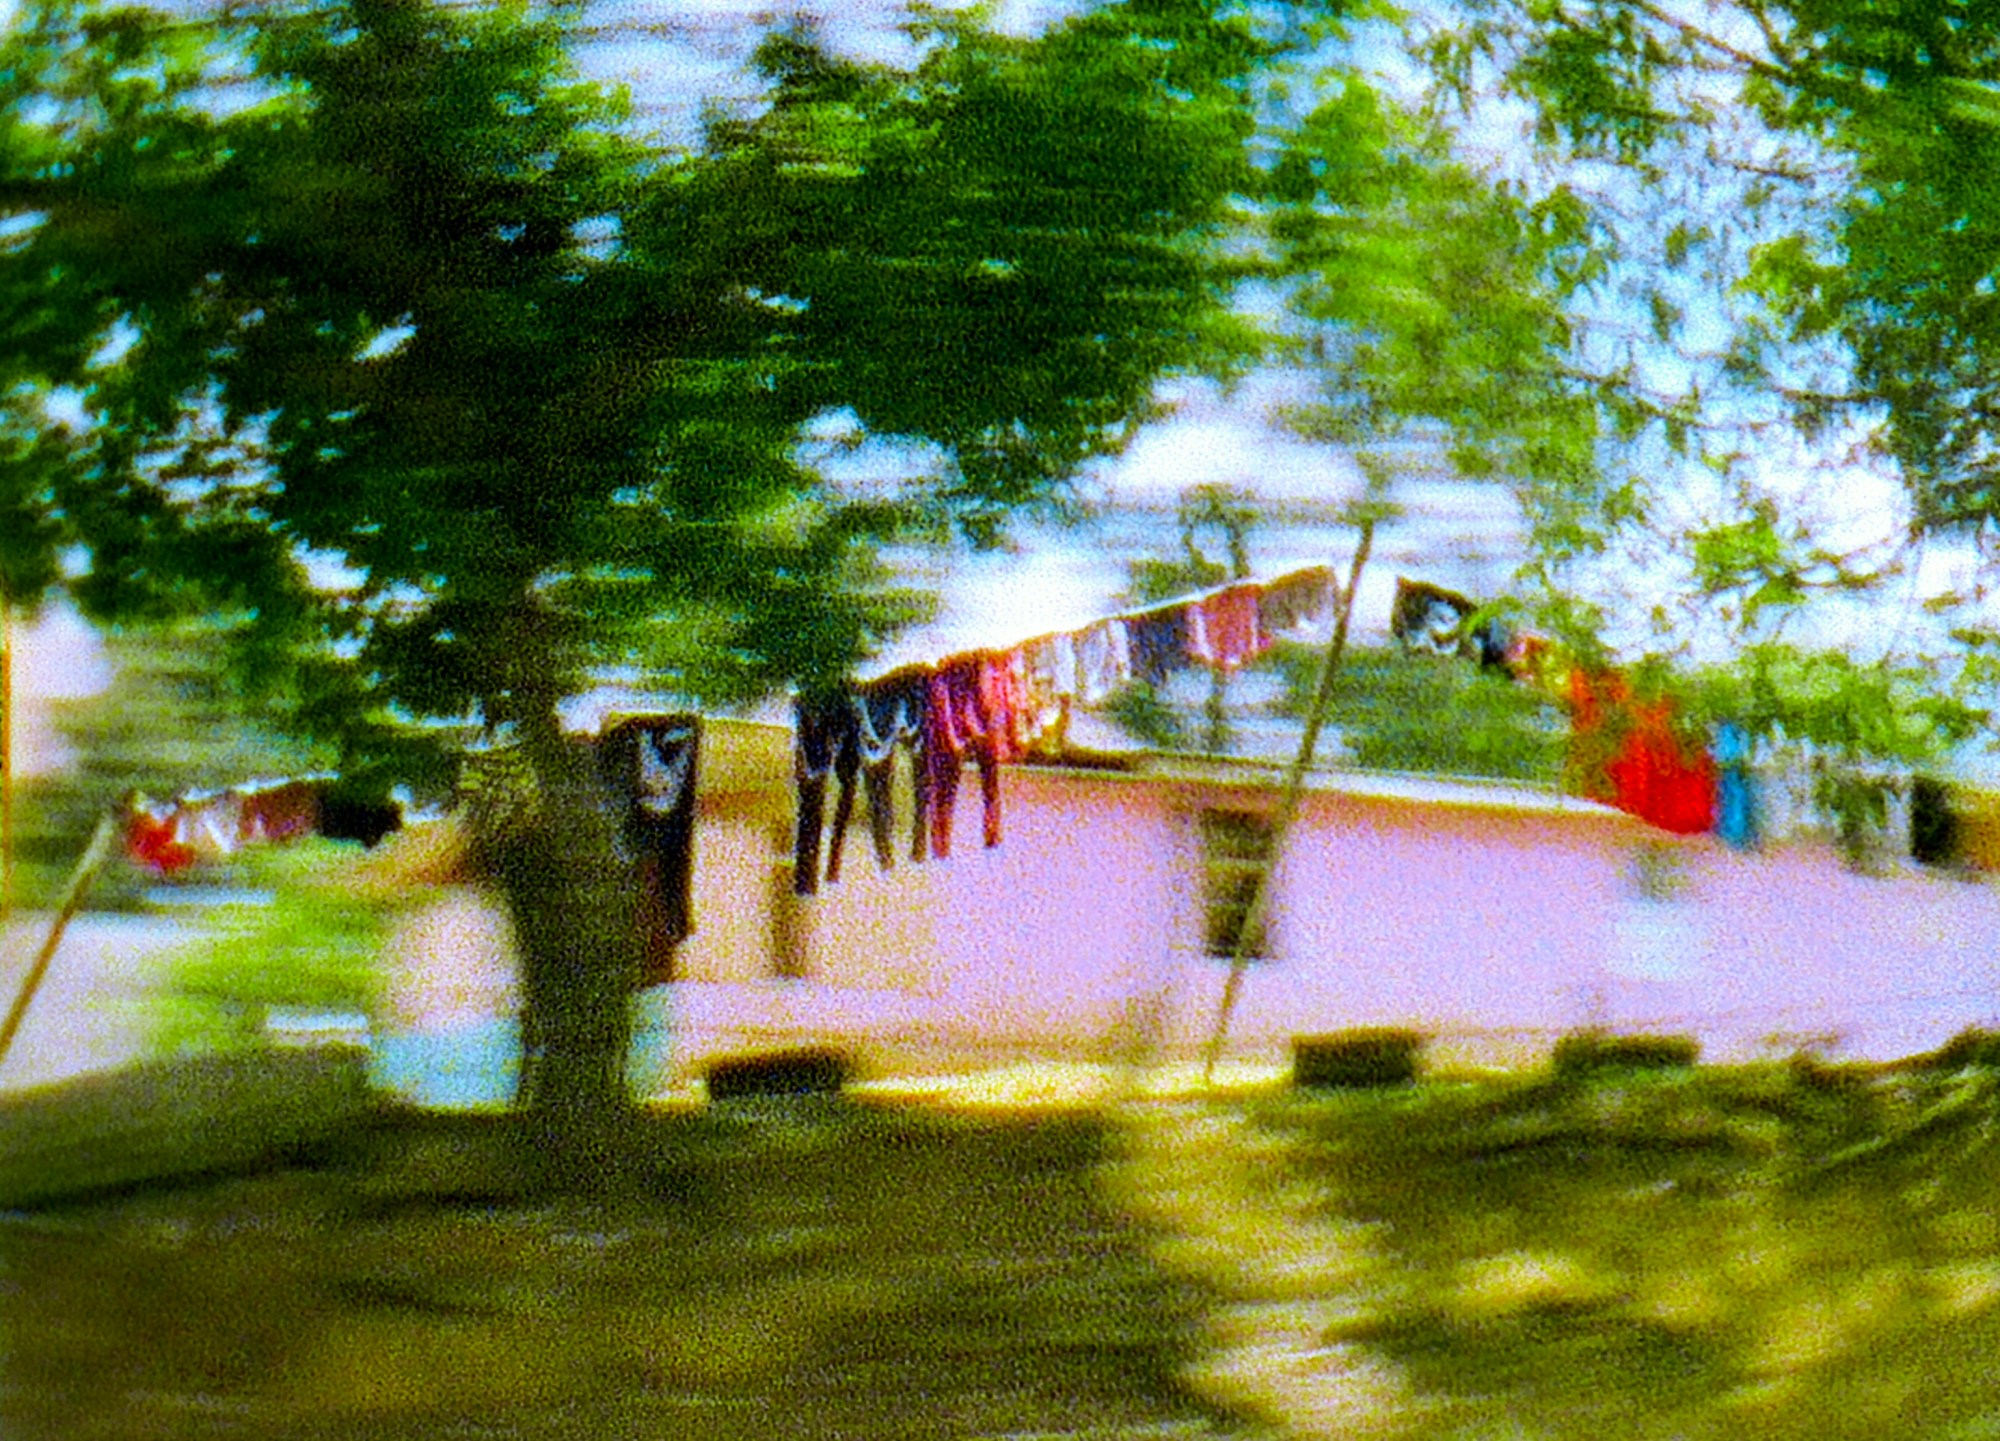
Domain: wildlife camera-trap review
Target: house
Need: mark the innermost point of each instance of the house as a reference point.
(1494, 918)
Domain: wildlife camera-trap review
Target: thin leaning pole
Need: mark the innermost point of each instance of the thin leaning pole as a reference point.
(1288, 805)
(92, 861)
(6, 752)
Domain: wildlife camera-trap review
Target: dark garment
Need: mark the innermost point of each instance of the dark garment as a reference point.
(357, 814)
(651, 768)
(1492, 640)
(891, 714)
(1158, 641)
(846, 775)
(879, 782)
(821, 726)
(1428, 617)
(1292, 602)
(1934, 837)
(282, 812)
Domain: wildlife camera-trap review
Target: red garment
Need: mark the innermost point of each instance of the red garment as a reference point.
(150, 842)
(1651, 775)
(1223, 629)
(972, 702)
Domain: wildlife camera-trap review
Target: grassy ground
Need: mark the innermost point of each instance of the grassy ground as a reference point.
(1777, 1252)
(808, 1270)
(1766, 1253)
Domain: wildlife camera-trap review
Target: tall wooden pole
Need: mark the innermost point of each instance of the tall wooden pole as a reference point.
(1288, 806)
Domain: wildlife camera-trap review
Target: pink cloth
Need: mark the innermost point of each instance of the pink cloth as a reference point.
(971, 714)
(1223, 629)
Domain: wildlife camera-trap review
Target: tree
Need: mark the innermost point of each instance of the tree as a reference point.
(1784, 231)
(412, 301)
(1841, 149)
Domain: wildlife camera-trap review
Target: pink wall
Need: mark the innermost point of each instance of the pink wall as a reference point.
(1495, 921)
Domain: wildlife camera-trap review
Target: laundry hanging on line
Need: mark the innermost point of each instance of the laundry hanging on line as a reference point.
(1631, 756)
(1626, 753)
(994, 707)
(651, 765)
(170, 837)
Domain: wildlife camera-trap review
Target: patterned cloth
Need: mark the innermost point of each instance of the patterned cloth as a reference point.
(650, 765)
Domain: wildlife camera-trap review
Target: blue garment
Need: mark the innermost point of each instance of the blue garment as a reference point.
(1735, 789)
(1159, 642)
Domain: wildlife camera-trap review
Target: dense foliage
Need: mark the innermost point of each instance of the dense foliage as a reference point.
(383, 343)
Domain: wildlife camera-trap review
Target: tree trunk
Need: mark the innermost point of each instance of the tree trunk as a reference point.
(570, 890)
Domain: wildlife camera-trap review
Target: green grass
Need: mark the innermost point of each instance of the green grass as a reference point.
(313, 945)
(1707, 1254)
(827, 1271)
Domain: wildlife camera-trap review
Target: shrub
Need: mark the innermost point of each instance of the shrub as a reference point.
(1591, 1053)
(1369, 1057)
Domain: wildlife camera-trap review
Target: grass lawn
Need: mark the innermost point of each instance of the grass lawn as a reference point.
(1713, 1254)
(1767, 1252)
(817, 1269)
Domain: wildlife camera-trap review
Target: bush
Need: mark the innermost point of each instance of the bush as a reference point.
(1369, 1057)
(1592, 1053)
(810, 1072)
(1971, 1047)
(310, 947)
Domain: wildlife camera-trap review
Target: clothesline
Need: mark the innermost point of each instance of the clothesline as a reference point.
(994, 706)
(207, 825)
(1318, 578)
(647, 765)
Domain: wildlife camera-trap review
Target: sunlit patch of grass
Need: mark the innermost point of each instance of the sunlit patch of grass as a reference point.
(1708, 1254)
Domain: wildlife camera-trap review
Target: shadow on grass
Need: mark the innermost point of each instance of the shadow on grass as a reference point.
(787, 1268)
